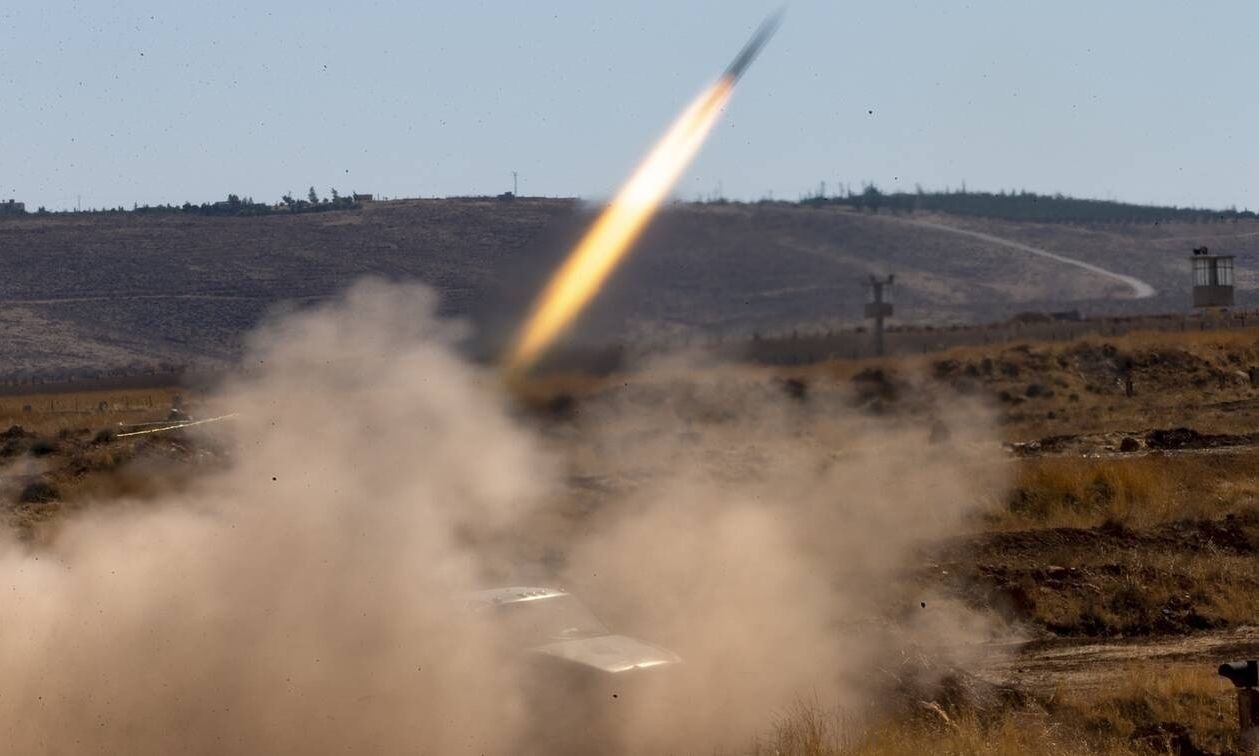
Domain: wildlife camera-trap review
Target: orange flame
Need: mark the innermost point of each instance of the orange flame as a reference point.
(617, 227)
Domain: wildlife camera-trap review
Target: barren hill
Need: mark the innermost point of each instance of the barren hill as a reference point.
(89, 292)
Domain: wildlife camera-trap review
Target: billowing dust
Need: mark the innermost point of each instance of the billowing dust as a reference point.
(306, 598)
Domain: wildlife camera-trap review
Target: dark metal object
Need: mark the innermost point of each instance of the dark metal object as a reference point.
(1241, 674)
(1244, 675)
(754, 45)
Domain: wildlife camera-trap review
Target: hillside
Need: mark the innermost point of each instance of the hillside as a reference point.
(107, 291)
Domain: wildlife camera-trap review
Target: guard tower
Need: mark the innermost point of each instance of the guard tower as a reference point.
(879, 307)
(1212, 279)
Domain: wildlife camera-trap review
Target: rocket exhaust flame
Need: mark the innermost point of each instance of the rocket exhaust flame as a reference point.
(619, 225)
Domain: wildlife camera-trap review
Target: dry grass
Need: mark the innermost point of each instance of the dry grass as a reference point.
(1207, 342)
(48, 414)
(1015, 734)
(1194, 378)
(1132, 592)
(1221, 587)
(1069, 491)
(66, 447)
(1137, 491)
(1090, 721)
(1193, 696)
(1150, 585)
(1192, 340)
(1187, 378)
(1178, 577)
(814, 733)
(1227, 339)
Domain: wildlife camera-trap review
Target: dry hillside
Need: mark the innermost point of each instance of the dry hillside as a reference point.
(88, 293)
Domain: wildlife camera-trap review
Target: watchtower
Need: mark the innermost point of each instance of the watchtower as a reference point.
(879, 307)
(1212, 279)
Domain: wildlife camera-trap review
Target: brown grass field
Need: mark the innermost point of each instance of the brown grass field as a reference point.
(1129, 519)
(1112, 527)
(1130, 716)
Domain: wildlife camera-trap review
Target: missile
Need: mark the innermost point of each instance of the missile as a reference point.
(613, 233)
(753, 47)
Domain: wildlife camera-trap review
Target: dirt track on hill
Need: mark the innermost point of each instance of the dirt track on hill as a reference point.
(1140, 289)
(1121, 443)
(1050, 664)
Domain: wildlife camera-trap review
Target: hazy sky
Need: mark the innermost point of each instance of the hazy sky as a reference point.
(155, 102)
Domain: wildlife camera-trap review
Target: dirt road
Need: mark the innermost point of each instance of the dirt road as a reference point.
(1140, 289)
(1046, 665)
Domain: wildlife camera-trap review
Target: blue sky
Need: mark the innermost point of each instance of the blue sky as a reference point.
(147, 102)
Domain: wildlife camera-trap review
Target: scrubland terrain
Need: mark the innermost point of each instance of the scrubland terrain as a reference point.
(1110, 541)
(90, 294)
(1124, 544)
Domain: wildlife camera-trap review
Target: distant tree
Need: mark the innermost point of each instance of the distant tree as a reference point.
(288, 200)
(1022, 205)
(335, 196)
(312, 197)
(871, 197)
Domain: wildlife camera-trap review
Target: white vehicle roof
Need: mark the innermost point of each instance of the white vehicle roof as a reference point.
(587, 642)
(514, 594)
(610, 653)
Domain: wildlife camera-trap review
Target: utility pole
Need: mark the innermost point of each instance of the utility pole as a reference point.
(515, 187)
(879, 307)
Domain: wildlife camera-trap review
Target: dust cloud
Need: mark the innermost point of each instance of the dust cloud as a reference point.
(769, 541)
(306, 597)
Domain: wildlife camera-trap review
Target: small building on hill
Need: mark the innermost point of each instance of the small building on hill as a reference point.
(1212, 278)
(12, 207)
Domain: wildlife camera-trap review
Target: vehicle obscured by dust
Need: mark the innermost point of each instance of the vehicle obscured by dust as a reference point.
(298, 598)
